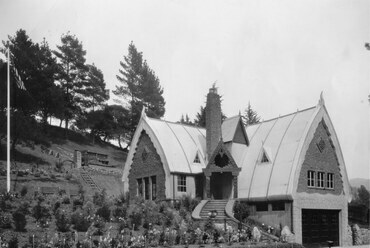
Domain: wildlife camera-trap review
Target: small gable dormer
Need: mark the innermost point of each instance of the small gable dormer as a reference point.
(265, 156)
(196, 159)
(233, 130)
(240, 135)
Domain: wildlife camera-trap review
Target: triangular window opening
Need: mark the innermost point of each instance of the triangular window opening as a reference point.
(264, 158)
(196, 159)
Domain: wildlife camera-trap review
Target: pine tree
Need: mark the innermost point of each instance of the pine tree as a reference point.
(139, 87)
(95, 90)
(72, 76)
(250, 116)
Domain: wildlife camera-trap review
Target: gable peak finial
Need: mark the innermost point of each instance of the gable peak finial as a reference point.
(321, 100)
(143, 112)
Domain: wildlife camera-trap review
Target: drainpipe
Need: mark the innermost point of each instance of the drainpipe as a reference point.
(173, 185)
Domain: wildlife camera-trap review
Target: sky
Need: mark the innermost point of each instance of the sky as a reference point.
(277, 55)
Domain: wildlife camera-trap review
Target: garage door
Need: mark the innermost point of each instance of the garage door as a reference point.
(320, 226)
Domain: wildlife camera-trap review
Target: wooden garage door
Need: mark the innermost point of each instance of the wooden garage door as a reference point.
(320, 226)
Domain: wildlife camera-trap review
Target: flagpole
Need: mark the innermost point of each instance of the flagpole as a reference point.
(8, 126)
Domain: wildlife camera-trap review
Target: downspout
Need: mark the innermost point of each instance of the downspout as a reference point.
(173, 185)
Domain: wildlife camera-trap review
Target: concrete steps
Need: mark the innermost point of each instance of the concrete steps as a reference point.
(214, 205)
(88, 180)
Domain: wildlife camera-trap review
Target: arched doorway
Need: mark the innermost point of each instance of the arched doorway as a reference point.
(221, 185)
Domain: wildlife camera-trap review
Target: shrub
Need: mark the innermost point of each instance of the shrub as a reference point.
(24, 190)
(120, 212)
(99, 198)
(66, 200)
(188, 203)
(56, 207)
(241, 211)
(89, 208)
(62, 221)
(20, 221)
(5, 221)
(58, 166)
(104, 212)
(120, 200)
(77, 203)
(68, 176)
(62, 192)
(40, 212)
(24, 208)
(136, 219)
(98, 225)
(80, 220)
(13, 242)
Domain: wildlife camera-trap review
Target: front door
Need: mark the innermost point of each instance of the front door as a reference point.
(221, 185)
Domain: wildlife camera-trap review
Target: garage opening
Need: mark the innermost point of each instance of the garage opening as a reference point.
(319, 227)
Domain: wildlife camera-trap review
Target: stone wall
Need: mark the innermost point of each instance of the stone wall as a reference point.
(146, 166)
(325, 161)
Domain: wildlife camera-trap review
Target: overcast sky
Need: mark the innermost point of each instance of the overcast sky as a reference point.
(279, 55)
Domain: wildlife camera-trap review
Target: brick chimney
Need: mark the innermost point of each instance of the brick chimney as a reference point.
(213, 120)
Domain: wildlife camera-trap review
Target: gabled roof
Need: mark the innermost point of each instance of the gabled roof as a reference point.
(285, 139)
(230, 128)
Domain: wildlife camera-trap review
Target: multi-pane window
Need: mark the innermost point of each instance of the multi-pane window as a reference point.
(310, 178)
(140, 187)
(320, 179)
(147, 188)
(154, 188)
(181, 183)
(330, 181)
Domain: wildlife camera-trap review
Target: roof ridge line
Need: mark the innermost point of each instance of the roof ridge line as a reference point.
(281, 116)
(176, 123)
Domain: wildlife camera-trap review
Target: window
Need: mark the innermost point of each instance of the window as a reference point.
(144, 155)
(321, 145)
(260, 207)
(330, 181)
(154, 188)
(264, 158)
(278, 206)
(140, 187)
(310, 178)
(146, 186)
(320, 179)
(196, 159)
(181, 183)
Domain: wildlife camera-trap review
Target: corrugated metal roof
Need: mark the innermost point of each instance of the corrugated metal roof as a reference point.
(180, 144)
(280, 138)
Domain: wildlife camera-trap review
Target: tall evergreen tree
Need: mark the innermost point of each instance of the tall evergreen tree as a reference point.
(49, 96)
(139, 86)
(250, 116)
(72, 76)
(96, 93)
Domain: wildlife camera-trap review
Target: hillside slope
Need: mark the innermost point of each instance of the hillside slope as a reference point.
(59, 150)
